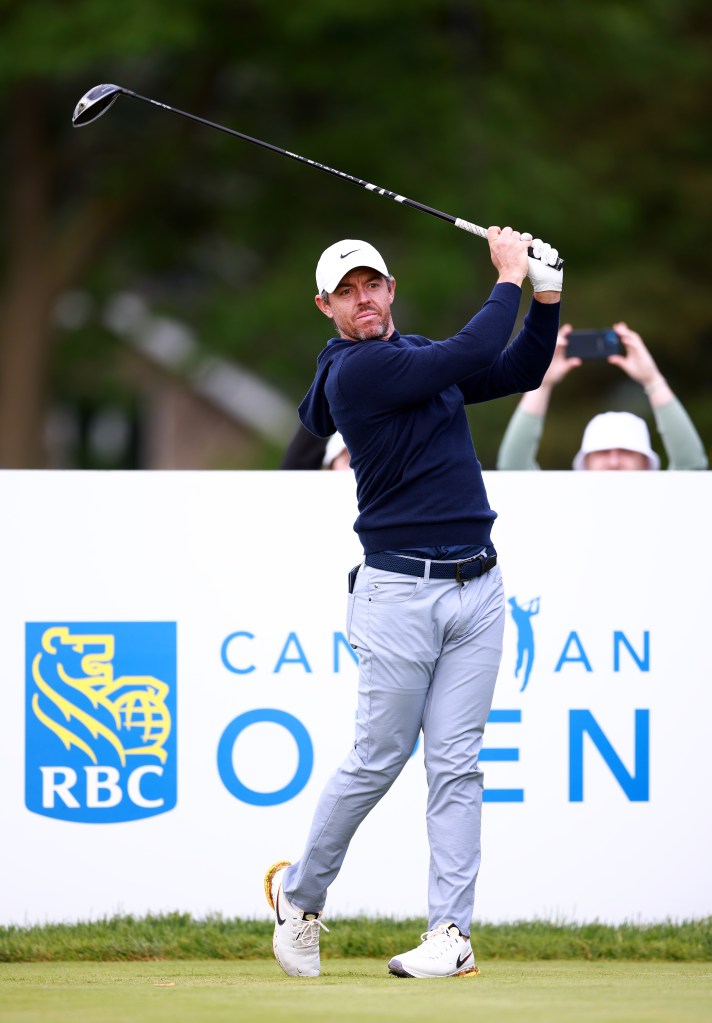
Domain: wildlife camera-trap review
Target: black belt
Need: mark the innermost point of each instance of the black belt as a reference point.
(470, 568)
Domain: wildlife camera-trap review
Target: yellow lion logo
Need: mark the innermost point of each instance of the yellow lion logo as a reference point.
(128, 712)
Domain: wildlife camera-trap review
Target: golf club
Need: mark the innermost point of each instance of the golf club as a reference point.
(99, 99)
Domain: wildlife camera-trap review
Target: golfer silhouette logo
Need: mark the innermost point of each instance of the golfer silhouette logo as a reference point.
(522, 618)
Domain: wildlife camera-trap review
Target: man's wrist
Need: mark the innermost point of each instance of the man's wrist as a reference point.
(536, 402)
(511, 278)
(658, 391)
(547, 297)
(654, 384)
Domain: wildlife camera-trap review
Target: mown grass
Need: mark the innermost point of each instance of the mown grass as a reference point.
(352, 991)
(178, 936)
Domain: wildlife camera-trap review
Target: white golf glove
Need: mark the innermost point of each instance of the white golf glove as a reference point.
(541, 265)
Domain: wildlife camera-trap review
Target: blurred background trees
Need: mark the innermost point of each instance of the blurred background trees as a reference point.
(154, 273)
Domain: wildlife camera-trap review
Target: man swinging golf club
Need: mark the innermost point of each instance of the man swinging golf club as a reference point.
(426, 606)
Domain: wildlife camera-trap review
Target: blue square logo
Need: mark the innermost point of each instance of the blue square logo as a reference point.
(100, 744)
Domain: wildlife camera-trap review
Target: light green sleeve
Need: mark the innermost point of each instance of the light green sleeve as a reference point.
(521, 439)
(682, 443)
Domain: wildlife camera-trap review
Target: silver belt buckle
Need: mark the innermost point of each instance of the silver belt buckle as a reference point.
(482, 556)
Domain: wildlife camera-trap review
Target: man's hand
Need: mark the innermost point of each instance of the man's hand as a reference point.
(544, 278)
(537, 402)
(640, 366)
(637, 362)
(508, 252)
(560, 365)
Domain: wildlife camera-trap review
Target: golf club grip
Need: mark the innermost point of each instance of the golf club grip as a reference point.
(556, 266)
(465, 225)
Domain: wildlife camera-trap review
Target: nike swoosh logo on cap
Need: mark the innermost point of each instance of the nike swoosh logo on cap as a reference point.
(461, 960)
(280, 920)
(348, 254)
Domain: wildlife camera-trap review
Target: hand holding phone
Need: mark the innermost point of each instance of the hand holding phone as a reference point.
(594, 344)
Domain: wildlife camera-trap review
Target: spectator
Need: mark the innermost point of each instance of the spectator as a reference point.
(304, 451)
(612, 440)
(336, 455)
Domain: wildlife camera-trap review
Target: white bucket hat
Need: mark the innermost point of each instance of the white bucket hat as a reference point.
(336, 261)
(611, 430)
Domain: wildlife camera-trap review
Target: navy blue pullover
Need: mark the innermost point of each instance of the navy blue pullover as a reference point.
(399, 403)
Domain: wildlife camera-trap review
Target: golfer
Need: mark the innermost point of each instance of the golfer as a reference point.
(426, 606)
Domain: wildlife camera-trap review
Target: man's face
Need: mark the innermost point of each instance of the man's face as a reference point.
(361, 305)
(616, 459)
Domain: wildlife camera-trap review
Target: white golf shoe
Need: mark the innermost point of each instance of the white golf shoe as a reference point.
(443, 952)
(296, 931)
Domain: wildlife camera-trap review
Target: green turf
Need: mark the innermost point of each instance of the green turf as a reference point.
(353, 991)
(180, 936)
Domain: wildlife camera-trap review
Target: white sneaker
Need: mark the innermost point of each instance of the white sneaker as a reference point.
(444, 952)
(296, 932)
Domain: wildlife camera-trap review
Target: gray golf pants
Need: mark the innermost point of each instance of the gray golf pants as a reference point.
(429, 651)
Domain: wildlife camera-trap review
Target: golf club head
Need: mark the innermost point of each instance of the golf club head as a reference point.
(95, 103)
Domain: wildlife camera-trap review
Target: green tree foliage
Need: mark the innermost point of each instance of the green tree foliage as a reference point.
(585, 125)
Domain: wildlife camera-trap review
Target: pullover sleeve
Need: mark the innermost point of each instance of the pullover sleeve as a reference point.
(521, 440)
(378, 376)
(522, 365)
(682, 443)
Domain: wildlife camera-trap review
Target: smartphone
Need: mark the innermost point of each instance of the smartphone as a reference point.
(594, 344)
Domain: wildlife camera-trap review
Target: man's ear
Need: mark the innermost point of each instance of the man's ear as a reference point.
(392, 290)
(324, 306)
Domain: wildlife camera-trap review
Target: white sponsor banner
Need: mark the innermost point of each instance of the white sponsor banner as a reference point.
(176, 689)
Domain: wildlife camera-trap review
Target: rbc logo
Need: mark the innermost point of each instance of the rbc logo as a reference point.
(100, 743)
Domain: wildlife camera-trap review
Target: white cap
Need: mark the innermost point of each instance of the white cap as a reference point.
(336, 261)
(612, 430)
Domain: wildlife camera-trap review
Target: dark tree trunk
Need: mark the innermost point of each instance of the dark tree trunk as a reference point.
(24, 330)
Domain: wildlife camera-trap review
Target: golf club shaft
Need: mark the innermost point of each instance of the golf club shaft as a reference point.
(463, 224)
(108, 90)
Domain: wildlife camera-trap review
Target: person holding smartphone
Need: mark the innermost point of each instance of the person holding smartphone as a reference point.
(611, 440)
